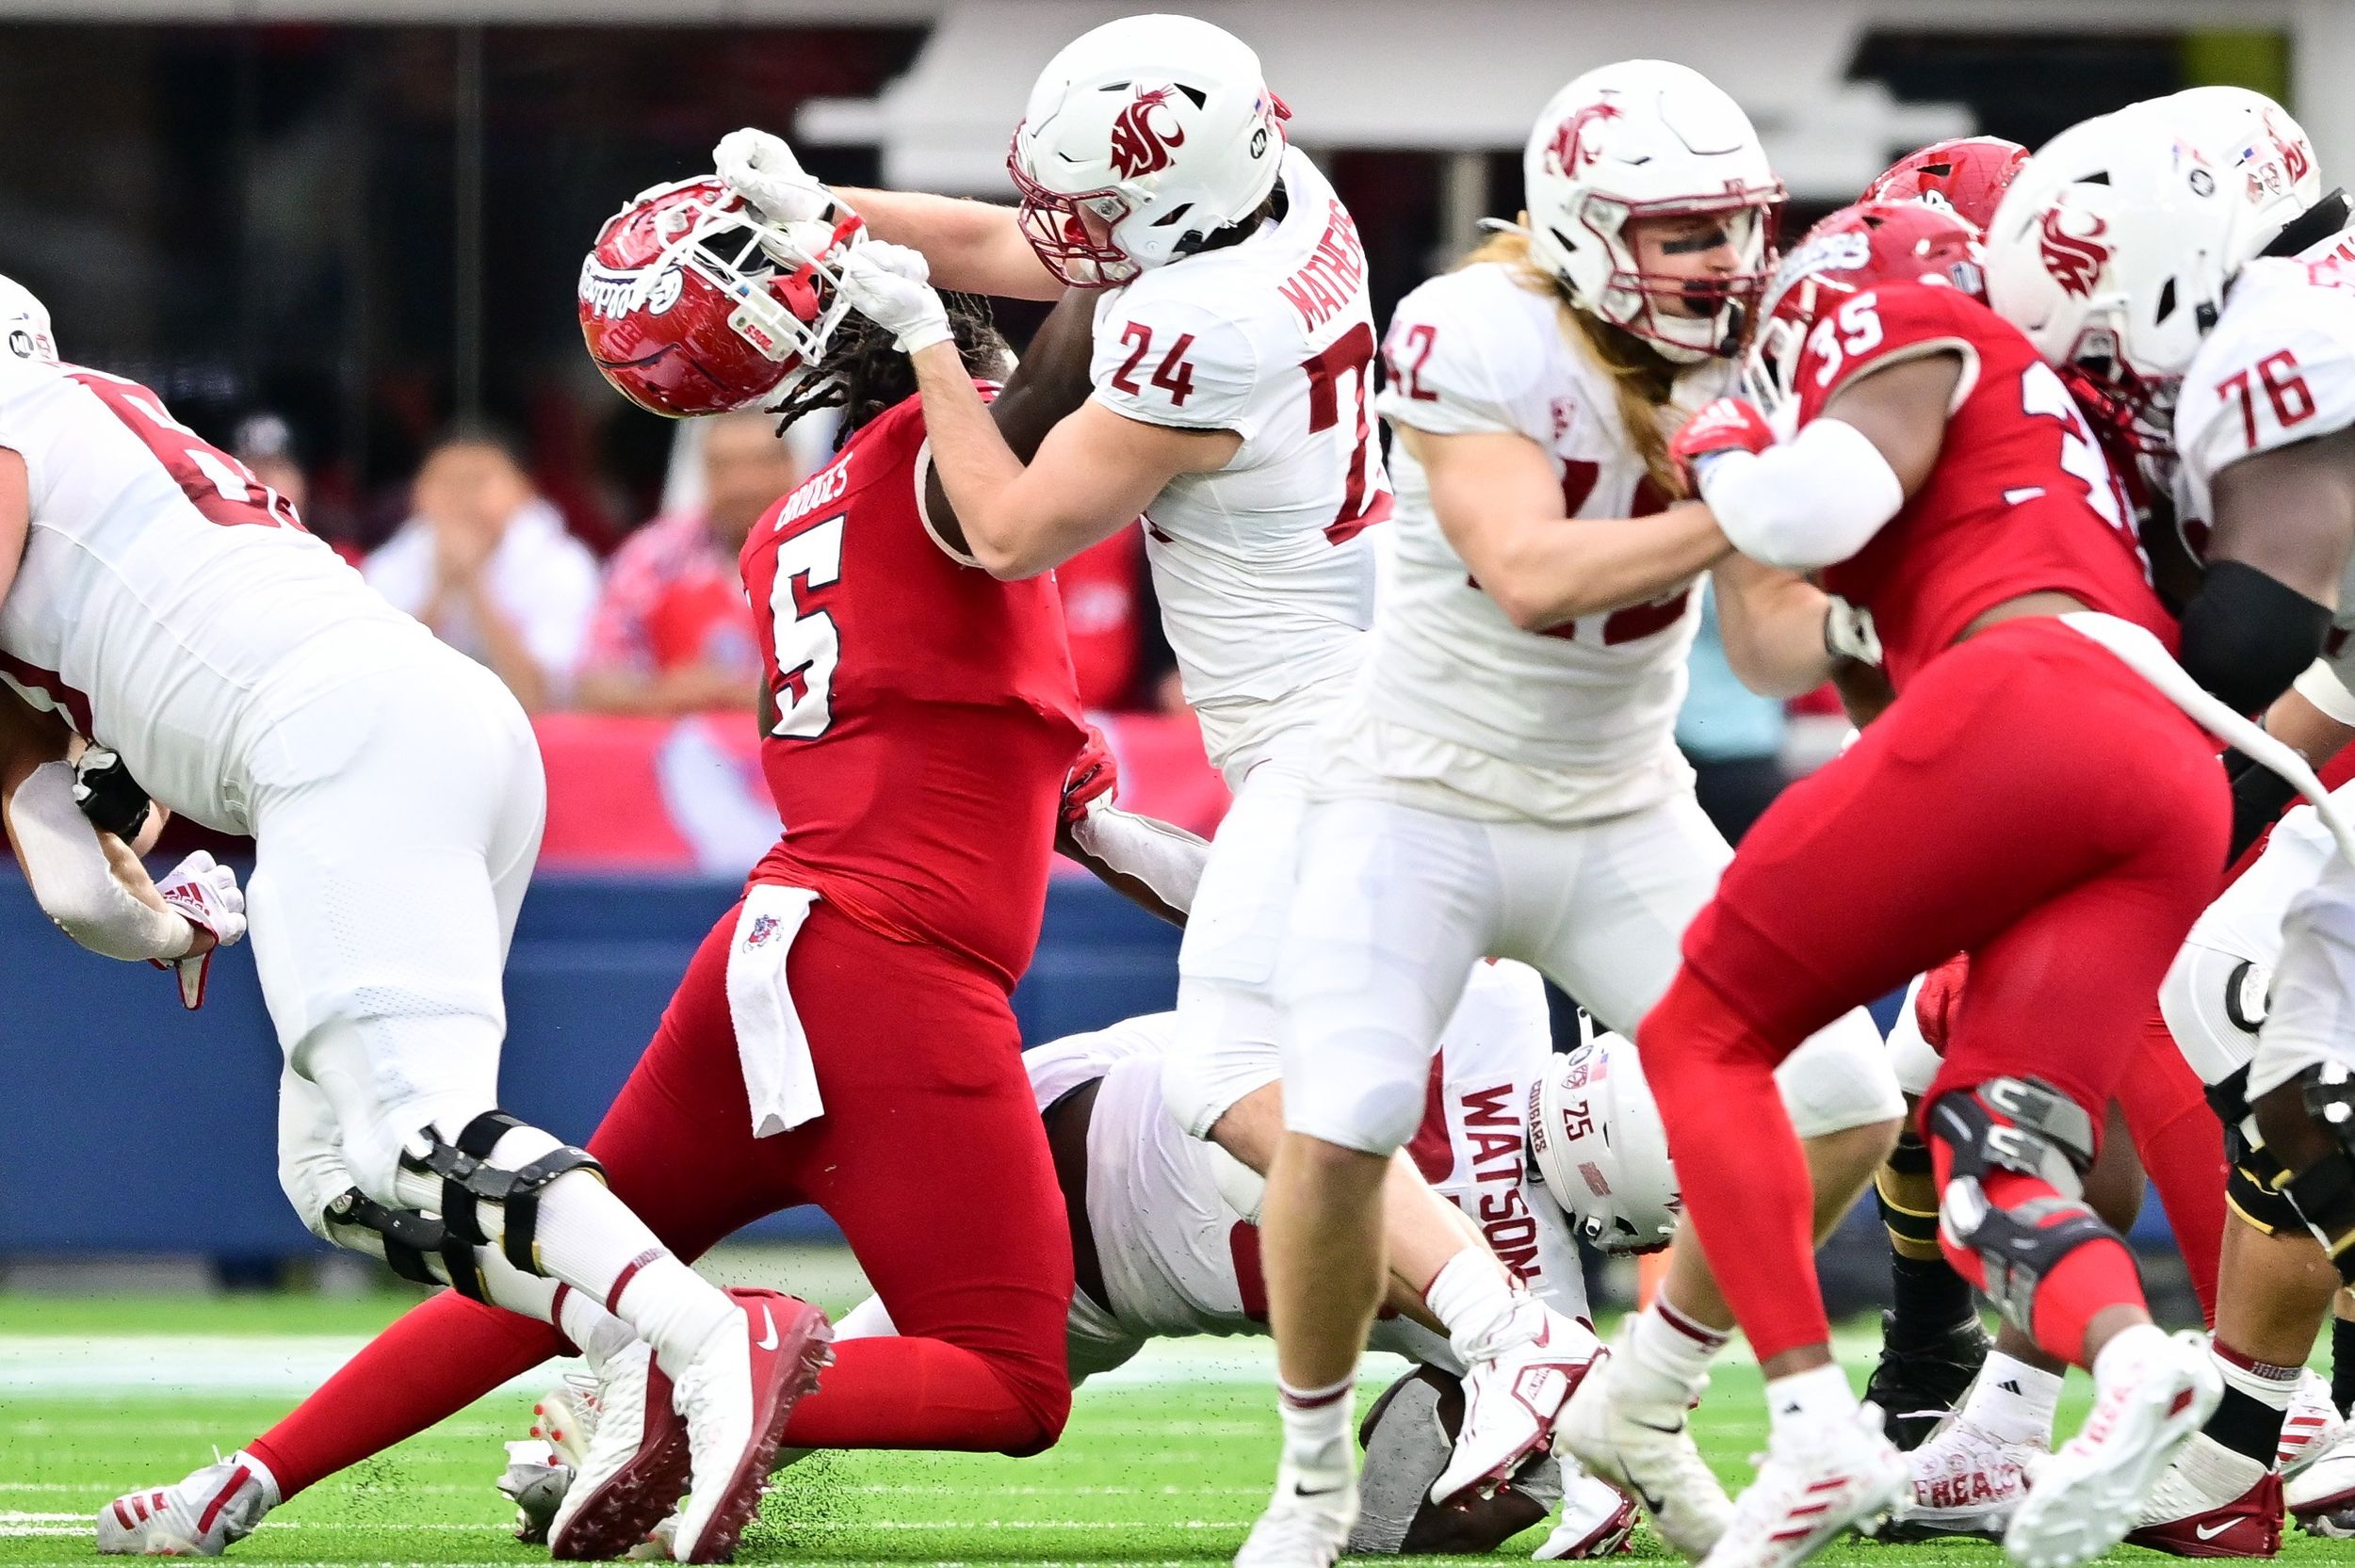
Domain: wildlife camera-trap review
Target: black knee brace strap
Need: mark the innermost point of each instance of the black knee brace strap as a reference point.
(468, 1181)
(2325, 1191)
(2042, 1135)
(412, 1239)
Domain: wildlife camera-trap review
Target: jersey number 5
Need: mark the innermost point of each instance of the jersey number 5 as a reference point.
(809, 645)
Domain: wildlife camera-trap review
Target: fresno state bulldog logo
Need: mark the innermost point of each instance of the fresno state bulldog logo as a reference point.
(1568, 151)
(2075, 261)
(1140, 144)
(764, 927)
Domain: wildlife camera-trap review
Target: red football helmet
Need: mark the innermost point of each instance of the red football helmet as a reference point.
(1967, 176)
(691, 303)
(1854, 249)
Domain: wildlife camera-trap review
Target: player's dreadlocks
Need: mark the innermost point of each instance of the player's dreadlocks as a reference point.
(865, 373)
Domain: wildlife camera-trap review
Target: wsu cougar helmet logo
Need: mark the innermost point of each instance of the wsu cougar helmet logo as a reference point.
(2073, 260)
(1568, 151)
(1139, 145)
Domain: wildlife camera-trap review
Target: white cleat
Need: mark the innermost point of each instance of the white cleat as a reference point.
(1511, 1399)
(2212, 1502)
(1814, 1484)
(1595, 1522)
(2310, 1427)
(1646, 1448)
(1966, 1481)
(2321, 1496)
(2089, 1494)
(203, 1516)
(633, 1465)
(540, 1470)
(734, 1397)
(1307, 1523)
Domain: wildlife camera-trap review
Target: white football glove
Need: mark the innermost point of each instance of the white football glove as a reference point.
(763, 170)
(889, 285)
(205, 892)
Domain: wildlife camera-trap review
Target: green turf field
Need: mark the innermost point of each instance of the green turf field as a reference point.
(1167, 1465)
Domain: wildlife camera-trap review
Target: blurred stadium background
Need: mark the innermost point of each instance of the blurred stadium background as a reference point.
(330, 234)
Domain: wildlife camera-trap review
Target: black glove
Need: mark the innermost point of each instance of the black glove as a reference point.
(2259, 796)
(109, 796)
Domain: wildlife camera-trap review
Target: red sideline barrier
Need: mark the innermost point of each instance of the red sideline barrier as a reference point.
(685, 795)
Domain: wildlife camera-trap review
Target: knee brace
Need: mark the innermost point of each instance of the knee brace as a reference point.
(412, 1243)
(2027, 1128)
(469, 1181)
(2324, 1192)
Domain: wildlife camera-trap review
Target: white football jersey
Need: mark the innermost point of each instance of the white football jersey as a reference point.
(1265, 584)
(1178, 1260)
(1572, 723)
(2278, 368)
(166, 594)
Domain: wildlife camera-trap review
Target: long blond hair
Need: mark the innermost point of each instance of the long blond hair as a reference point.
(1643, 383)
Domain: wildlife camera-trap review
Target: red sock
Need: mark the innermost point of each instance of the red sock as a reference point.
(914, 1394)
(1739, 1162)
(432, 1363)
(2088, 1279)
(2181, 1146)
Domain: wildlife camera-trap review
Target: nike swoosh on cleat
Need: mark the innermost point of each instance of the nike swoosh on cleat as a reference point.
(1651, 1426)
(769, 1340)
(2209, 1532)
(1300, 1491)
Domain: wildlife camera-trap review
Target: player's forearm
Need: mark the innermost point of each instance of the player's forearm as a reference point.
(973, 247)
(1155, 865)
(1545, 572)
(88, 883)
(978, 471)
(1772, 625)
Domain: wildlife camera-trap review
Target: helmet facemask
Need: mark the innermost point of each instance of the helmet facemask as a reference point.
(1645, 303)
(1052, 221)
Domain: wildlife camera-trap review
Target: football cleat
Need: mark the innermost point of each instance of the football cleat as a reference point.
(1595, 1520)
(2310, 1427)
(734, 1397)
(1511, 1399)
(2089, 1494)
(1920, 1377)
(540, 1469)
(1966, 1481)
(2321, 1496)
(633, 1465)
(2212, 1502)
(203, 1516)
(1646, 1448)
(1307, 1523)
(1814, 1482)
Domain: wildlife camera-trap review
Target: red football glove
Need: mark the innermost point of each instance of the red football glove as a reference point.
(1092, 777)
(1720, 425)
(1940, 995)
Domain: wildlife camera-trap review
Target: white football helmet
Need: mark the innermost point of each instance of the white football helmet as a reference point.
(25, 323)
(2267, 120)
(1161, 128)
(1647, 138)
(2115, 244)
(1600, 1149)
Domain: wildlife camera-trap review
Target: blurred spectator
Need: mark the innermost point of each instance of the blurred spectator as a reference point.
(671, 632)
(487, 564)
(264, 444)
(1732, 735)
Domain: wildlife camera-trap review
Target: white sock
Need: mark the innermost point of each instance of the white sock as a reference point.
(1668, 1355)
(2271, 1386)
(1473, 1296)
(596, 1333)
(1808, 1399)
(1316, 1425)
(591, 1241)
(2014, 1402)
(261, 1474)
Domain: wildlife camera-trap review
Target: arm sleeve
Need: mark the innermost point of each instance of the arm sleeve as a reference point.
(67, 868)
(1452, 368)
(1165, 858)
(1805, 503)
(2324, 684)
(1173, 363)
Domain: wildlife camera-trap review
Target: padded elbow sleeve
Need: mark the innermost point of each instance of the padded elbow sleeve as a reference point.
(2247, 636)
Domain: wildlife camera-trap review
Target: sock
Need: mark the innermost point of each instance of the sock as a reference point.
(1746, 1181)
(428, 1366)
(2181, 1146)
(1931, 1299)
(1472, 1295)
(2249, 1418)
(1316, 1425)
(1807, 1400)
(594, 1332)
(2014, 1402)
(1668, 1355)
(2342, 1364)
(260, 1471)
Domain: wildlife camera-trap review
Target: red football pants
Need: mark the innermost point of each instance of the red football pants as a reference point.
(930, 1155)
(2029, 801)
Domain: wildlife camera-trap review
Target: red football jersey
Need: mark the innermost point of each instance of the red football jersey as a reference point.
(927, 714)
(2021, 500)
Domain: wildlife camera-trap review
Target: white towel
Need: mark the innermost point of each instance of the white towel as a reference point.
(779, 1078)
